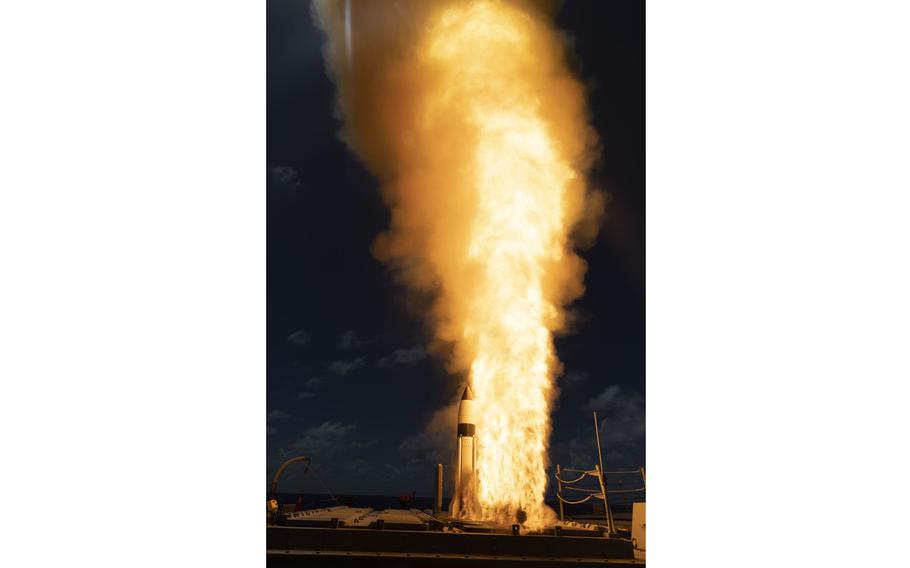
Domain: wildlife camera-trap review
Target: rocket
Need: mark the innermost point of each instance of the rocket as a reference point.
(464, 502)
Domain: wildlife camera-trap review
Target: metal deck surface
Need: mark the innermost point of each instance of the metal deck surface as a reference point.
(341, 536)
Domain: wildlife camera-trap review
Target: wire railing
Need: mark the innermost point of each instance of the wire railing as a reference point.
(613, 488)
(602, 491)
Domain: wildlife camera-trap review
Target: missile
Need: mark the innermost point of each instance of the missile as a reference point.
(464, 501)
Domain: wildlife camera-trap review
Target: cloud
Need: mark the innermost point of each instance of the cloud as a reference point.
(277, 415)
(436, 444)
(310, 386)
(274, 416)
(348, 341)
(342, 367)
(621, 419)
(330, 438)
(403, 357)
(420, 447)
(287, 177)
(604, 399)
(299, 338)
(313, 382)
(573, 378)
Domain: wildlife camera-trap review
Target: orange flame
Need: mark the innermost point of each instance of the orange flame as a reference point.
(478, 131)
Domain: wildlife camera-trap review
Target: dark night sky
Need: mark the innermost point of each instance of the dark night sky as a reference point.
(348, 381)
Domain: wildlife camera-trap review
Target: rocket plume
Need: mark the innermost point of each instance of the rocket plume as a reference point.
(469, 116)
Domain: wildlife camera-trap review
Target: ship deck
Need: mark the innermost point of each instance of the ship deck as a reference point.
(343, 536)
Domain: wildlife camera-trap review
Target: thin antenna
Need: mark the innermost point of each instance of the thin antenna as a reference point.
(562, 516)
(603, 478)
(348, 38)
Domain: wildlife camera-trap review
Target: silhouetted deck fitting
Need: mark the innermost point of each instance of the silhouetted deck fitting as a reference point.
(281, 468)
(437, 504)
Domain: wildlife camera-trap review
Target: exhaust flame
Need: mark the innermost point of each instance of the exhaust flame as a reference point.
(467, 113)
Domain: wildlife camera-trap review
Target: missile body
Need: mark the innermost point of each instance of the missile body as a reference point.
(464, 502)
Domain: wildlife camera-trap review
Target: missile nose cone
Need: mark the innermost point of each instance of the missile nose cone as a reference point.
(468, 393)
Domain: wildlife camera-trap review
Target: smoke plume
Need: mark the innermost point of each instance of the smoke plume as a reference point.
(468, 115)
